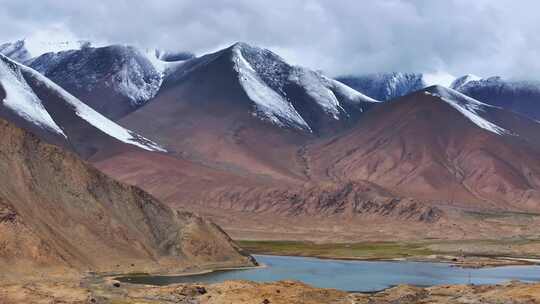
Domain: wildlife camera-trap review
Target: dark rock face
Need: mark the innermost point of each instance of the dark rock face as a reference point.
(350, 199)
(2, 93)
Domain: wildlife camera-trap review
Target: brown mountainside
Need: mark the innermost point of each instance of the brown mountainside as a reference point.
(57, 211)
(421, 146)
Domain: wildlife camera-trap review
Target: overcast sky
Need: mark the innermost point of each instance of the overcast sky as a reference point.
(483, 37)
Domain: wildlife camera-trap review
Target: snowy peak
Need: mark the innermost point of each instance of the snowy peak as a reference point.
(22, 100)
(273, 85)
(270, 104)
(472, 109)
(519, 96)
(385, 86)
(270, 67)
(463, 80)
(15, 50)
(24, 50)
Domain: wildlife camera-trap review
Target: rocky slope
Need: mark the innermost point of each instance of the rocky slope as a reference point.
(57, 211)
(356, 200)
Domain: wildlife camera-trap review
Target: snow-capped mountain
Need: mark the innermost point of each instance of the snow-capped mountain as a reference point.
(522, 97)
(439, 143)
(460, 82)
(113, 80)
(24, 50)
(15, 50)
(280, 93)
(36, 103)
(385, 86)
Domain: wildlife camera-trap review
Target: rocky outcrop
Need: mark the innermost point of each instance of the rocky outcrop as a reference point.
(281, 292)
(353, 199)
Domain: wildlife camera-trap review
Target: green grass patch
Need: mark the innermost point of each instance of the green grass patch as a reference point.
(500, 215)
(367, 250)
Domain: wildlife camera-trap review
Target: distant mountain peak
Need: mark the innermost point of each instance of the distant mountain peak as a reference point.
(24, 50)
(15, 50)
(385, 86)
(463, 80)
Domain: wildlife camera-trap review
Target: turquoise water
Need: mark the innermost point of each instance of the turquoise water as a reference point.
(354, 275)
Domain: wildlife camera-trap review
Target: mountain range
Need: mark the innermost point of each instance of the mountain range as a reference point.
(520, 96)
(262, 146)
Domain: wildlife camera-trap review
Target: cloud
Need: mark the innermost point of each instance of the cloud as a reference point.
(340, 37)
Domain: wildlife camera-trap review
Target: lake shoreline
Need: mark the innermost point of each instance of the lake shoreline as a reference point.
(496, 261)
(413, 252)
(348, 275)
(95, 288)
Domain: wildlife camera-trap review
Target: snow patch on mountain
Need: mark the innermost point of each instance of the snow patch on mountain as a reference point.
(469, 107)
(346, 91)
(270, 105)
(131, 81)
(317, 88)
(21, 99)
(268, 79)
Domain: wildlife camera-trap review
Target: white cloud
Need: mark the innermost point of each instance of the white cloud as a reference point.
(340, 37)
(439, 78)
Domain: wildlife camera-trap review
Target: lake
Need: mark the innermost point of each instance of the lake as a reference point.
(364, 276)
